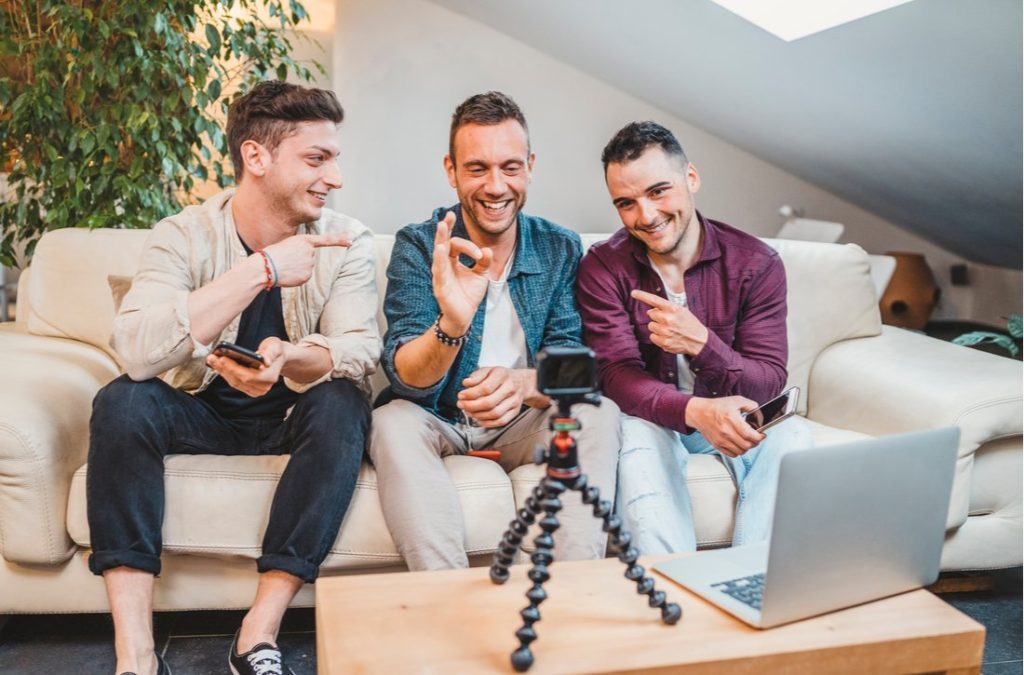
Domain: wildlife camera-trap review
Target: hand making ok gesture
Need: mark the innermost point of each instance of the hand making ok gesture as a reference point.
(458, 289)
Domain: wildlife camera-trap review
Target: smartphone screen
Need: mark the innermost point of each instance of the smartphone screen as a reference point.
(241, 355)
(775, 410)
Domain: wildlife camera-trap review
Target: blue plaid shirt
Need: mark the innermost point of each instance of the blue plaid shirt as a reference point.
(540, 282)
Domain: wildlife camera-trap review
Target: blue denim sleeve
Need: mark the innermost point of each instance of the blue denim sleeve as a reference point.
(409, 305)
(564, 327)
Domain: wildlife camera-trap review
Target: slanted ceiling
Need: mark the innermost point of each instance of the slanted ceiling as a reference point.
(913, 113)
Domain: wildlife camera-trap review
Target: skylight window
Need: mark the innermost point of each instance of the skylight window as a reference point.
(794, 19)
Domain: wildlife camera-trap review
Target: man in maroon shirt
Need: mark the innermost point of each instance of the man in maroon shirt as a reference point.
(687, 317)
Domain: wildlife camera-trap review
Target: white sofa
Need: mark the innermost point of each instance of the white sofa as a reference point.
(860, 378)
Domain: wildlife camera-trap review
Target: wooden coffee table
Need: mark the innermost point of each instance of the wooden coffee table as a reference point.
(594, 622)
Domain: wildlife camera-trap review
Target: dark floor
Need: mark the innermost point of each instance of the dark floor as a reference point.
(196, 643)
(193, 643)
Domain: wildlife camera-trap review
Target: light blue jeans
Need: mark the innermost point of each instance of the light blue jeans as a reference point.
(652, 497)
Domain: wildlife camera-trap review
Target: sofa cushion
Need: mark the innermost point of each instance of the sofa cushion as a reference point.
(69, 295)
(239, 490)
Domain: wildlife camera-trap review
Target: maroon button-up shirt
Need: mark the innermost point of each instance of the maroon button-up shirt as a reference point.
(737, 288)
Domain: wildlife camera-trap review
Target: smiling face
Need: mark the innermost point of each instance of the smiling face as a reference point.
(490, 171)
(654, 197)
(295, 178)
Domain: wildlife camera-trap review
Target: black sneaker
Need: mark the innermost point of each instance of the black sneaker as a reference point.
(263, 659)
(161, 666)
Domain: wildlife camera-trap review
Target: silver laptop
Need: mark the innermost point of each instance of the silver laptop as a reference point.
(853, 523)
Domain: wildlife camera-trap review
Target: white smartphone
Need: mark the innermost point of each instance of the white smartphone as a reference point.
(774, 411)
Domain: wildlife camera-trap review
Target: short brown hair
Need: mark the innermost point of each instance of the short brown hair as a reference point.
(487, 109)
(272, 110)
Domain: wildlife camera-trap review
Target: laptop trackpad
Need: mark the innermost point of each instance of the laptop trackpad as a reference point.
(711, 567)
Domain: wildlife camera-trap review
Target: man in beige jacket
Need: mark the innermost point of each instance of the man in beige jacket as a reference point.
(268, 267)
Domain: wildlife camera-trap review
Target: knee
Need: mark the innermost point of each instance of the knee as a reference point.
(792, 434)
(602, 421)
(123, 402)
(646, 439)
(335, 406)
(398, 430)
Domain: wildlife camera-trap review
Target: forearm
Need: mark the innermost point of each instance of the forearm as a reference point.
(306, 363)
(728, 372)
(640, 394)
(422, 362)
(212, 307)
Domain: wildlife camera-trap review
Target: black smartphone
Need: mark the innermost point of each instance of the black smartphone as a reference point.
(774, 411)
(241, 355)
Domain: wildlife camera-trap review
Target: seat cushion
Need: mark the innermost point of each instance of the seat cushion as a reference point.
(218, 506)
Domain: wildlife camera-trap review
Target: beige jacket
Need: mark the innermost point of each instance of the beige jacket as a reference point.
(336, 309)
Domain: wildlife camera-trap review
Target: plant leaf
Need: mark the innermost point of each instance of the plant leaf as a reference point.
(213, 37)
(980, 337)
(1013, 325)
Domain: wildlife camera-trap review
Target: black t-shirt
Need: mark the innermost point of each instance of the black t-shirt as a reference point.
(263, 318)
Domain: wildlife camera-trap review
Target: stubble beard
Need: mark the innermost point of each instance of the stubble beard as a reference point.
(490, 227)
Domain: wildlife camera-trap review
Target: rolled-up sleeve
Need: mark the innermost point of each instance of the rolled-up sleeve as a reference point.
(410, 308)
(152, 331)
(348, 324)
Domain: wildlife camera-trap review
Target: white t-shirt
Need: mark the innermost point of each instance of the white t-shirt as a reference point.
(503, 343)
(684, 376)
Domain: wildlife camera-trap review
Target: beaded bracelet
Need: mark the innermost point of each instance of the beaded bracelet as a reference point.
(446, 339)
(270, 270)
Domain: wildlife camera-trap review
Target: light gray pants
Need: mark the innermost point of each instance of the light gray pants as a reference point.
(654, 502)
(419, 499)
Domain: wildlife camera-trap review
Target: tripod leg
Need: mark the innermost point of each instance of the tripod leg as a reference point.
(513, 536)
(522, 658)
(622, 543)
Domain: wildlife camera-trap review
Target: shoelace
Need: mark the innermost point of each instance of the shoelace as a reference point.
(265, 662)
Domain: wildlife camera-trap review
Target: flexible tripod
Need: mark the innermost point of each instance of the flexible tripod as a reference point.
(563, 473)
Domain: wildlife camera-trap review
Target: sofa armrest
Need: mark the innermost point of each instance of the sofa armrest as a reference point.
(45, 404)
(903, 381)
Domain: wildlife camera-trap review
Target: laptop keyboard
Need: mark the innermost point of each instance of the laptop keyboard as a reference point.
(747, 590)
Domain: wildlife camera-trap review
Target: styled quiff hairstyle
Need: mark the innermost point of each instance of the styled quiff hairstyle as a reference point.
(633, 140)
(271, 111)
(486, 109)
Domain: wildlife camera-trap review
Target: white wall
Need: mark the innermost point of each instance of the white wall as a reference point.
(401, 66)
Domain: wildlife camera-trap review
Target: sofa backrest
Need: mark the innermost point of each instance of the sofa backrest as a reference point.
(831, 297)
(69, 296)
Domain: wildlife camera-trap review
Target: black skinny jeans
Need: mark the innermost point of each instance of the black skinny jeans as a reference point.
(135, 425)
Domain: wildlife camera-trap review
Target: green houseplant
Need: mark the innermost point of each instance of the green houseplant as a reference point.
(111, 113)
(1008, 341)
